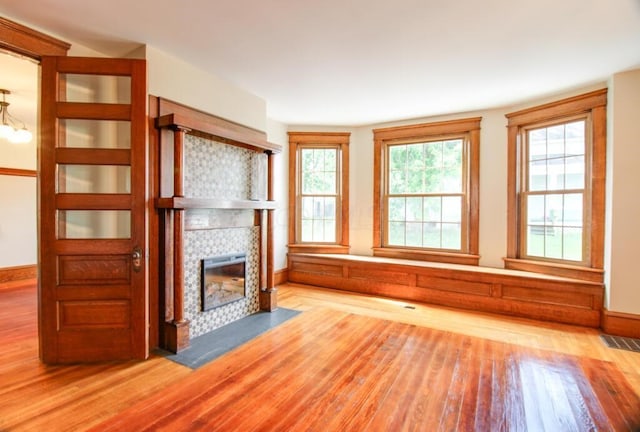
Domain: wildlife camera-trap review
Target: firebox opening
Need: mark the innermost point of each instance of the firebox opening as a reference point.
(222, 280)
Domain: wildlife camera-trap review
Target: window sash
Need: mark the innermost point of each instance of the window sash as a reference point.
(529, 238)
(462, 194)
(301, 221)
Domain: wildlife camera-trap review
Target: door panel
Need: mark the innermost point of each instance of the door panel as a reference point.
(92, 157)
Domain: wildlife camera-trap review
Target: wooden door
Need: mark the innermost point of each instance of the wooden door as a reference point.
(92, 259)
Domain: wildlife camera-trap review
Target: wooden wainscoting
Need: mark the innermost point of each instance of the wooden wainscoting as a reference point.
(621, 324)
(510, 292)
(17, 274)
(280, 276)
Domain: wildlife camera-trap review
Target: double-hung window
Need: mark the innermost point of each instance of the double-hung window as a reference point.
(556, 187)
(319, 208)
(426, 191)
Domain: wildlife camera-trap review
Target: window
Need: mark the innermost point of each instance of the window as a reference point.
(319, 205)
(556, 187)
(426, 191)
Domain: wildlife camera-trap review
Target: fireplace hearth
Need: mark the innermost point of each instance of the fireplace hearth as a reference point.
(223, 280)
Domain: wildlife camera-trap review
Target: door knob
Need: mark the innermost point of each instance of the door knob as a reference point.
(136, 258)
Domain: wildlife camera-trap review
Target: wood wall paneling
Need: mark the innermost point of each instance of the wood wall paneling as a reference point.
(522, 294)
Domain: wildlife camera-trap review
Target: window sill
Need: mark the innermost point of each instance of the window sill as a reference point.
(432, 256)
(318, 248)
(555, 269)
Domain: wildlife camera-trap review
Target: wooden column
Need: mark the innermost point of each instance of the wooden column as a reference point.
(177, 330)
(268, 293)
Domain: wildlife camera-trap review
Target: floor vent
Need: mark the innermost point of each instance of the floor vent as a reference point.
(619, 342)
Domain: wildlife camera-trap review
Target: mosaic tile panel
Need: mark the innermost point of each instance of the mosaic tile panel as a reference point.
(199, 244)
(216, 170)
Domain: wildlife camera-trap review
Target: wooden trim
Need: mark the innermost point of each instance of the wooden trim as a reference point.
(428, 129)
(174, 114)
(341, 140)
(573, 105)
(31, 43)
(179, 203)
(281, 276)
(18, 273)
(470, 127)
(513, 185)
(319, 137)
(484, 289)
(17, 172)
(598, 185)
(555, 269)
(318, 248)
(621, 324)
(594, 103)
(432, 256)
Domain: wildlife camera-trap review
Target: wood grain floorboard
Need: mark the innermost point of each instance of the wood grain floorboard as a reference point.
(348, 363)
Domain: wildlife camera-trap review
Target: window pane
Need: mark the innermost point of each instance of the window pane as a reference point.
(330, 208)
(98, 179)
(307, 230)
(535, 210)
(397, 182)
(415, 181)
(329, 231)
(451, 236)
(537, 144)
(432, 209)
(414, 209)
(329, 183)
(94, 224)
(95, 133)
(318, 230)
(574, 136)
(555, 174)
(398, 158)
(572, 216)
(106, 89)
(555, 141)
(572, 241)
(452, 180)
(574, 172)
(396, 209)
(414, 234)
(415, 157)
(553, 242)
(433, 154)
(451, 209)
(318, 208)
(307, 207)
(396, 233)
(538, 175)
(452, 153)
(431, 235)
(433, 180)
(535, 241)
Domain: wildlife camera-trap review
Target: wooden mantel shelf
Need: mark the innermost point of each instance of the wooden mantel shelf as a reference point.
(218, 129)
(213, 203)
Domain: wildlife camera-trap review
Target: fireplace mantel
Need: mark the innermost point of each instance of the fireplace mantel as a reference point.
(173, 122)
(213, 203)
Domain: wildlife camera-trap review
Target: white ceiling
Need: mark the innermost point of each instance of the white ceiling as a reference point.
(353, 62)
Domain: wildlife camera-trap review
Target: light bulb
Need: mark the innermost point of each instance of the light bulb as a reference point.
(6, 131)
(21, 136)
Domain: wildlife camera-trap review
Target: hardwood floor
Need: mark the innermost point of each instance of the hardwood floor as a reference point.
(350, 362)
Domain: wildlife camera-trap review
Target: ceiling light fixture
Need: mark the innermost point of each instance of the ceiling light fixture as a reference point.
(8, 129)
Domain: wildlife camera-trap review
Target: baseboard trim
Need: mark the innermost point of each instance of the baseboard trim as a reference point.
(281, 276)
(621, 324)
(18, 273)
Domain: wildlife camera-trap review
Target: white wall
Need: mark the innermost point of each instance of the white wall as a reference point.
(174, 79)
(18, 226)
(623, 209)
